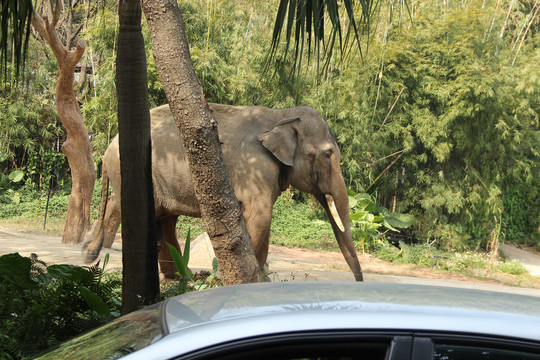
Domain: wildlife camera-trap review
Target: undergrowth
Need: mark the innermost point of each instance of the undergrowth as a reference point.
(41, 306)
(469, 262)
(299, 224)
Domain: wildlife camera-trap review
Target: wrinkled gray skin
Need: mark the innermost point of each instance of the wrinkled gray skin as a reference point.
(265, 151)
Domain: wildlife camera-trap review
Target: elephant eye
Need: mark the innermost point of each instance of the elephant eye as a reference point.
(328, 153)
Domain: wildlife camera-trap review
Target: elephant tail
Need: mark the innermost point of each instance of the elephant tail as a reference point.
(97, 234)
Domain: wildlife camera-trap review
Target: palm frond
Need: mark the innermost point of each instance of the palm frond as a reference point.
(309, 19)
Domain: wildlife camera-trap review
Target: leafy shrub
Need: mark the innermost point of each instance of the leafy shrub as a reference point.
(370, 222)
(522, 216)
(41, 305)
(513, 267)
(193, 226)
(188, 281)
(28, 203)
(423, 254)
(466, 262)
(295, 223)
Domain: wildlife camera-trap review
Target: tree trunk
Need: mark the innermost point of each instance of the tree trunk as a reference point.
(139, 243)
(220, 208)
(77, 146)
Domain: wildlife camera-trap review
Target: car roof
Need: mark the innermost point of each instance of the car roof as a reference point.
(201, 319)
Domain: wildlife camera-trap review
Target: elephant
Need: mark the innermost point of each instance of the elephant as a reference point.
(265, 151)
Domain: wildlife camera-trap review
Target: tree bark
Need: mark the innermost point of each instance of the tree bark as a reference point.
(77, 146)
(219, 206)
(139, 250)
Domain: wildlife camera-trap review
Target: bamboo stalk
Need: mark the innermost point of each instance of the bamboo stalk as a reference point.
(526, 31)
(385, 170)
(392, 108)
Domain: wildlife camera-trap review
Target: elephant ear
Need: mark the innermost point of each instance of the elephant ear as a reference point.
(281, 140)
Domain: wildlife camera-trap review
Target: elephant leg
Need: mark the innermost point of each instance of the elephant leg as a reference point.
(112, 221)
(258, 216)
(166, 263)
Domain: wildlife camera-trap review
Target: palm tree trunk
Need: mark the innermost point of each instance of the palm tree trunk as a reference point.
(219, 206)
(139, 244)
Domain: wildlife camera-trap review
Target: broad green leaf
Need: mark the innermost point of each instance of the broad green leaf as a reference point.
(398, 220)
(16, 175)
(390, 227)
(366, 204)
(94, 301)
(15, 269)
(373, 226)
(378, 219)
(72, 273)
(357, 216)
(352, 202)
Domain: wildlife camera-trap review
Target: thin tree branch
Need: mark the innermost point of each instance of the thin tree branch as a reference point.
(385, 170)
(392, 108)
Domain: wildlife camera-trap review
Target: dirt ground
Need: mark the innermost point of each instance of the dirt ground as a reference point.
(293, 264)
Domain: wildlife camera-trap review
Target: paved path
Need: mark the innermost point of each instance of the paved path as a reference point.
(530, 261)
(52, 251)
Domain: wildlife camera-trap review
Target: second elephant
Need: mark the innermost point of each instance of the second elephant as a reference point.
(265, 151)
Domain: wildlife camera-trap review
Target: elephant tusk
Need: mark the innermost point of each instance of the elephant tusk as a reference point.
(334, 212)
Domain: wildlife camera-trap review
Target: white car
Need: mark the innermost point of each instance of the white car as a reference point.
(322, 321)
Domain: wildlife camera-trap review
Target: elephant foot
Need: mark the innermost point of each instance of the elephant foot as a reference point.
(266, 273)
(168, 271)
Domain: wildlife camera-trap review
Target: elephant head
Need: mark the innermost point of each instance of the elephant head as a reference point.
(305, 144)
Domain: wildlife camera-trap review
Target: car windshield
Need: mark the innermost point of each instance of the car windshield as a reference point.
(114, 340)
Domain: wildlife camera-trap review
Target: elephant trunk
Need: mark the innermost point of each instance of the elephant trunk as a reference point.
(338, 201)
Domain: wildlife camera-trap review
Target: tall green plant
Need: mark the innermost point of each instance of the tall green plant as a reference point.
(187, 280)
(369, 222)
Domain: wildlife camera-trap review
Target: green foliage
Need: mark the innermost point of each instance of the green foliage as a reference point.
(436, 122)
(188, 281)
(27, 126)
(296, 223)
(14, 34)
(440, 120)
(513, 267)
(520, 218)
(28, 203)
(370, 222)
(422, 254)
(193, 226)
(426, 255)
(43, 167)
(41, 305)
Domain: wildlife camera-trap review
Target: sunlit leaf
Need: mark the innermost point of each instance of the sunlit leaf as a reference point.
(16, 175)
(398, 220)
